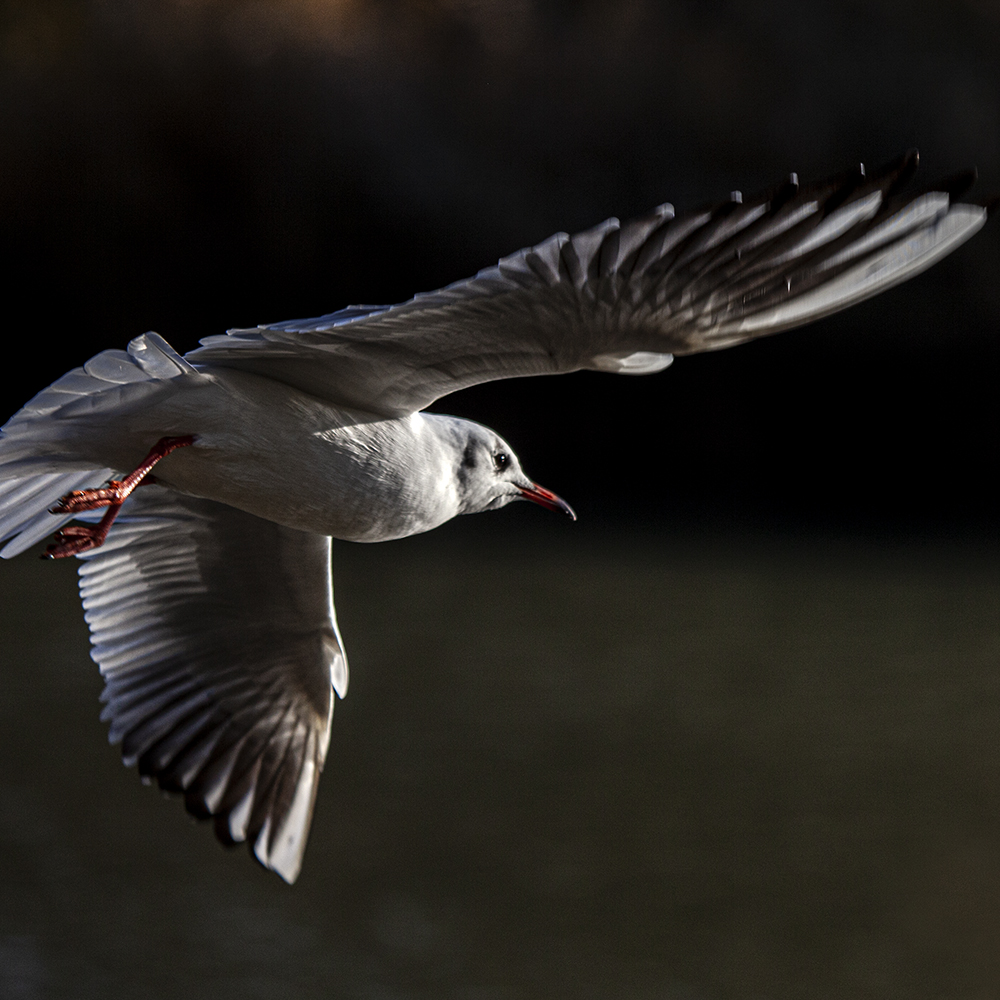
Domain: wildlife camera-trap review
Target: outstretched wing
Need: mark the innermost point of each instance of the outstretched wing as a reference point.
(216, 636)
(622, 298)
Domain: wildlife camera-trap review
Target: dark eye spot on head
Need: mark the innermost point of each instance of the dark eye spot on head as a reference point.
(501, 460)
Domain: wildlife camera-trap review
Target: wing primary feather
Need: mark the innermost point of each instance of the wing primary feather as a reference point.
(208, 697)
(653, 287)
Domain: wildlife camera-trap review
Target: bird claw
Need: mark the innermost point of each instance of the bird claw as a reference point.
(77, 538)
(74, 539)
(80, 500)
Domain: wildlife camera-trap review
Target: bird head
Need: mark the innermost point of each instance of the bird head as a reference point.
(490, 476)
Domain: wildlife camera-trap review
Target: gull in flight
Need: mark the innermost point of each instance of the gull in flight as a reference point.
(208, 590)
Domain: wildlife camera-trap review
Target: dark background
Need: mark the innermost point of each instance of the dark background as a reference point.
(731, 736)
(192, 165)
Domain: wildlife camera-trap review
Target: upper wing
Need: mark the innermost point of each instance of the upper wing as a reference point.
(621, 298)
(216, 636)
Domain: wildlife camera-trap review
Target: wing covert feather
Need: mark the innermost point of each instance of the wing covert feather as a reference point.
(622, 298)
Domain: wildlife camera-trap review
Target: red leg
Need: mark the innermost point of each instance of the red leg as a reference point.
(118, 490)
(76, 538)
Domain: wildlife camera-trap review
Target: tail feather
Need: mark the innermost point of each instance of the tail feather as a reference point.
(25, 503)
(38, 462)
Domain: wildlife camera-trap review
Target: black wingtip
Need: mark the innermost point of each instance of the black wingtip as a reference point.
(899, 172)
(954, 185)
(957, 184)
(196, 806)
(776, 196)
(784, 191)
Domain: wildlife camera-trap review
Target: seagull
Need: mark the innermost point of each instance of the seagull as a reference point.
(206, 488)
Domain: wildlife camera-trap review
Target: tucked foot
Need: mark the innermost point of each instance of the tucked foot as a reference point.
(77, 538)
(74, 539)
(80, 500)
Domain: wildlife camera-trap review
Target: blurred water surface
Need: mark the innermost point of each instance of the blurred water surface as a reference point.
(589, 765)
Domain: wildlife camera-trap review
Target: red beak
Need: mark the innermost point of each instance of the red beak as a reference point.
(544, 498)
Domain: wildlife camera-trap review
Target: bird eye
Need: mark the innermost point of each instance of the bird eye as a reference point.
(501, 460)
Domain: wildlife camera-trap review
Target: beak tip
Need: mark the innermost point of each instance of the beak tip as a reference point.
(546, 498)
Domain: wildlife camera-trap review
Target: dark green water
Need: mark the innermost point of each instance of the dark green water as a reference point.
(595, 766)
